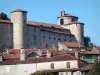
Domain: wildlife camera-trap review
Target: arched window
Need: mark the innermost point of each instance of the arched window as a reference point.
(61, 21)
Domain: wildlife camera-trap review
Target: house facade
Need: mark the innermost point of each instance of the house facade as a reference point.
(15, 62)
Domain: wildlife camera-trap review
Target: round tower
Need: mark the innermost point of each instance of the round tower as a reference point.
(19, 19)
(79, 32)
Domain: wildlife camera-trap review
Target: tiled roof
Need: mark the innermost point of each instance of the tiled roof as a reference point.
(69, 15)
(19, 10)
(87, 67)
(98, 48)
(14, 59)
(14, 54)
(37, 24)
(89, 52)
(71, 44)
(5, 21)
(45, 25)
(59, 70)
(68, 32)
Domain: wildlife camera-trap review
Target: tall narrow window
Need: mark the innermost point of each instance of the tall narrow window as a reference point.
(52, 65)
(61, 21)
(46, 46)
(68, 64)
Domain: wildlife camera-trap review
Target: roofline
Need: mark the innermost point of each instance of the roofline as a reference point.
(67, 16)
(18, 10)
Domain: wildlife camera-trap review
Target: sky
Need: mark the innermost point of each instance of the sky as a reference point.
(47, 11)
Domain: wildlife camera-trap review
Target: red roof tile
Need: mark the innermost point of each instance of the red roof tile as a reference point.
(45, 24)
(59, 70)
(98, 48)
(40, 59)
(68, 32)
(71, 44)
(89, 52)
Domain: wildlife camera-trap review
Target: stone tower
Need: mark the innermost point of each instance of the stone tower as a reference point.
(71, 22)
(19, 19)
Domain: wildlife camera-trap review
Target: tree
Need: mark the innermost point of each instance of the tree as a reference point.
(87, 42)
(95, 68)
(3, 16)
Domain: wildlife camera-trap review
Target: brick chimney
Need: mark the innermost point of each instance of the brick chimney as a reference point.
(22, 54)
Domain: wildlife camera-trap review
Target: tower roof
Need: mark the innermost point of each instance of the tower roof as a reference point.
(19, 10)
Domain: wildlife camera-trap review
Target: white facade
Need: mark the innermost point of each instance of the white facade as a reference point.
(27, 69)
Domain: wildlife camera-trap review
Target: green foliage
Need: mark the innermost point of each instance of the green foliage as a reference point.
(95, 68)
(87, 42)
(3, 16)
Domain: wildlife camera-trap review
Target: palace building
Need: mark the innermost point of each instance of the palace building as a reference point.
(20, 33)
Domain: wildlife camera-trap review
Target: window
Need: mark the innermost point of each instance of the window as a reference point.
(46, 45)
(49, 37)
(52, 65)
(61, 21)
(73, 19)
(68, 64)
(34, 39)
(58, 38)
(43, 36)
(35, 29)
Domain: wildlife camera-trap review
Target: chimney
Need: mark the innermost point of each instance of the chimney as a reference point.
(48, 54)
(22, 54)
(77, 55)
(1, 58)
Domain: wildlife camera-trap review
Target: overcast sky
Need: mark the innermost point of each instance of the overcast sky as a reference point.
(47, 11)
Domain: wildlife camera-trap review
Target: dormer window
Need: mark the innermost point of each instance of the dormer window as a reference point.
(61, 21)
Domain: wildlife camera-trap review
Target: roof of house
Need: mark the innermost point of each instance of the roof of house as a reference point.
(37, 24)
(45, 25)
(68, 32)
(69, 15)
(98, 48)
(14, 56)
(59, 70)
(71, 44)
(87, 67)
(89, 52)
